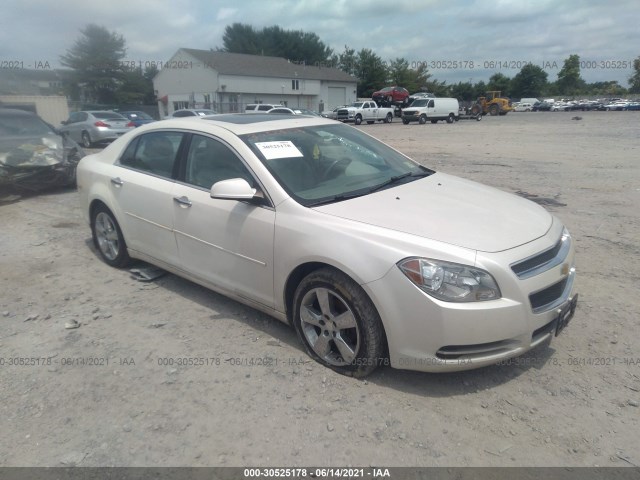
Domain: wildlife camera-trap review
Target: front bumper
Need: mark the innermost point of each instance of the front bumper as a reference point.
(430, 335)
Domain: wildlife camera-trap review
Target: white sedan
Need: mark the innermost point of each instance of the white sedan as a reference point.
(373, 258)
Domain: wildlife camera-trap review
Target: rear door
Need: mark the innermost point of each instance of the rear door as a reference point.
(143, 186)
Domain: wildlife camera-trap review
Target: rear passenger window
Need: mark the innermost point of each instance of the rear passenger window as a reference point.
(210, 161)
(153, 152)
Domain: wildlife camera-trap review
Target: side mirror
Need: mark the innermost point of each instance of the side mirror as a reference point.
(233, 189)
(64, 122)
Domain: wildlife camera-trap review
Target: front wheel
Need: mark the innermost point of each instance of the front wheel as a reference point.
(108, 239)
(358, 120)
(422, 120)
(337, 323)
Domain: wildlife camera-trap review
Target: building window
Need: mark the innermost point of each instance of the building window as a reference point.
(295, 84)
(180, 105)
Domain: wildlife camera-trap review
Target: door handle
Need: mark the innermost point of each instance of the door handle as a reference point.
(117, 182)
(182, 201)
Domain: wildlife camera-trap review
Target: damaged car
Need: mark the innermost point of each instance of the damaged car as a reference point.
(34, 156)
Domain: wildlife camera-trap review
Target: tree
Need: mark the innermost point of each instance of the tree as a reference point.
(463, 91)
(137, 87)
(347, 61)
(371, 72)
(500, 82)
(96, 58)
(569, 81)
(530, 81)
(634, 80)
(294, 45)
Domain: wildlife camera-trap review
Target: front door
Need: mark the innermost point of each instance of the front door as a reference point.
(228, 243)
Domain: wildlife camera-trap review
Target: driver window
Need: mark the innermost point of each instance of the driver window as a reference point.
(210, 161)
(431, 103)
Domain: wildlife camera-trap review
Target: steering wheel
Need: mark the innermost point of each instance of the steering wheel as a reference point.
(341, 162)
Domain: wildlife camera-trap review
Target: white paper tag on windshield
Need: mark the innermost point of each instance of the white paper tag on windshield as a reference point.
(283, 149)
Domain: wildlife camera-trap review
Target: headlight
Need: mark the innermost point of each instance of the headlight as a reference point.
(450, 282)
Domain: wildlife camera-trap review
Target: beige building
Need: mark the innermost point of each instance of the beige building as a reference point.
(226, 82)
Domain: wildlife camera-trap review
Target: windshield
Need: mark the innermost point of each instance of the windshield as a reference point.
(108, 116)
(420, 103)
(22, 125)
(331, 162)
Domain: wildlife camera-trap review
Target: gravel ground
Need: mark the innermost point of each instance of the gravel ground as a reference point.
(112, 392)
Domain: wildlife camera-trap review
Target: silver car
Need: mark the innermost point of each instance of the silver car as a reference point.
(89, 127)
(373, 258)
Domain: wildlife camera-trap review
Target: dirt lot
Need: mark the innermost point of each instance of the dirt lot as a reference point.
(107, 394)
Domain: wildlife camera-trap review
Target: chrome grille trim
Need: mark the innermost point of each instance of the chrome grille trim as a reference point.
(543, 261)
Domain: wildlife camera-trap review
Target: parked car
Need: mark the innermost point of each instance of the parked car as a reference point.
(33, 154)
(293, 111)
(541, 107)
(137, 118)
(616, 106)
(391, 96)
(333, 114)
(418, 95)
(372, 257)
(633, 106)
(89, 127)
(523, 107)
(193, 112)
(259, 107)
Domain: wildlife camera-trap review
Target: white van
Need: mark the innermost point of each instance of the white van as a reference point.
(433, 109)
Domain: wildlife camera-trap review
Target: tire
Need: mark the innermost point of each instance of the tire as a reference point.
(434, 121)
(405, 121)
(358, 120)
(388, 118)
(86, 140)
(422, 120)
(352, 347)
(476, 109)
(451, 118)
(108, 239)
(494, 110)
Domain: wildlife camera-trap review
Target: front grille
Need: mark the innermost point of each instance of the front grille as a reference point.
(543, 261)
(550, 296)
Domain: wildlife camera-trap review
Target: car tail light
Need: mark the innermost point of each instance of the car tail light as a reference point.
(100, 123)
(131, 124)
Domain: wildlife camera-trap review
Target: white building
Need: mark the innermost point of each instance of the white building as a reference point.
(226, 82)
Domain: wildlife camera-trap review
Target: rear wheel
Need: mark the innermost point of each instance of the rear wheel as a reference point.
(108, 239)
(388, 118)
(86, 140)
(337, 323)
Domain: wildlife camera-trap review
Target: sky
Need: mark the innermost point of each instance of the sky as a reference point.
(460, 40)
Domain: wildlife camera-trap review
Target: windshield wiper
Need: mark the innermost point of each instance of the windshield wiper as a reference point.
(397, 178)
(336, 198)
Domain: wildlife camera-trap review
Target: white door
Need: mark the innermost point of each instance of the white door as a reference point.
(143, 187)
(337, 97)
(226, 242)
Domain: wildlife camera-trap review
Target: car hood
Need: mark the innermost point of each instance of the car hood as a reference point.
(451, 210)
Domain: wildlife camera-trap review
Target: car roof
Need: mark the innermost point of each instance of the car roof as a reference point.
(238, 123)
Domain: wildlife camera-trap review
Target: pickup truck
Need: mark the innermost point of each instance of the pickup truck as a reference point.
(367, 111)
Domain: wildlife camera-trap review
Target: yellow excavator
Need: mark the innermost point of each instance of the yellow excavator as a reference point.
(493, 104)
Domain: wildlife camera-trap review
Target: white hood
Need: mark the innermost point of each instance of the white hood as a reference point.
(451, 210)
